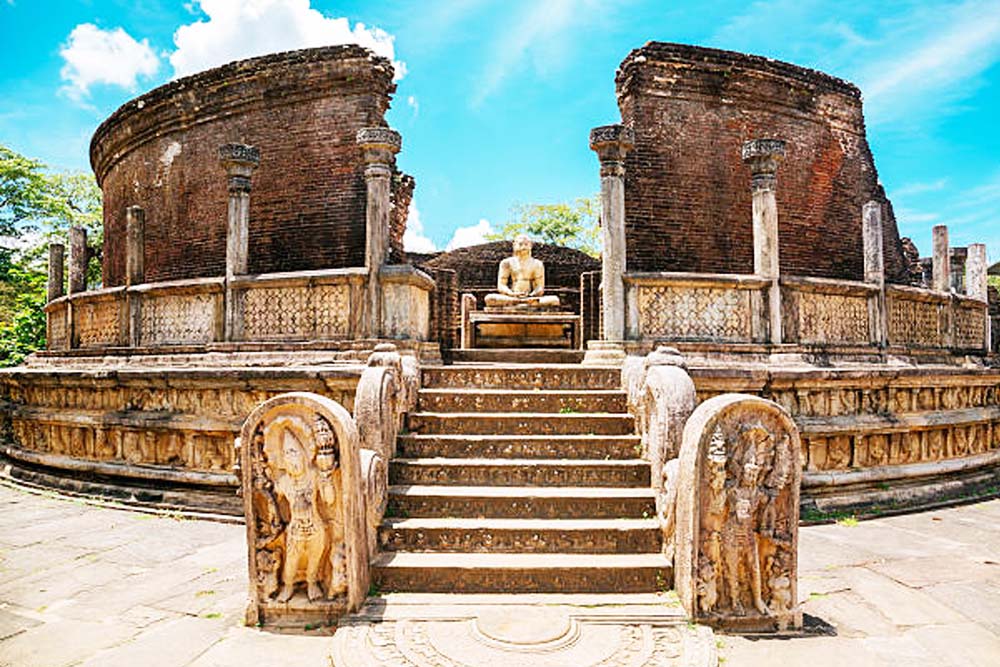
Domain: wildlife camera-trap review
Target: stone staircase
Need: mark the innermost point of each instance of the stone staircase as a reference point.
(520, 478)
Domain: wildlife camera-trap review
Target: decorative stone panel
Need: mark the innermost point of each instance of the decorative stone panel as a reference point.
(736, 553)
(172, 319)
(694, 313)
(916, 322)
(833, 318)
(305, 512)
(98, 321)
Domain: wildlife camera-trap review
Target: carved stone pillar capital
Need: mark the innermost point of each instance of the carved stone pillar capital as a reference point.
(239, 161)
(763, 157)
(612, 143)
(380, 145)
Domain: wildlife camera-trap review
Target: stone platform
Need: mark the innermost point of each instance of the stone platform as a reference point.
(502, 328)
(92, 586)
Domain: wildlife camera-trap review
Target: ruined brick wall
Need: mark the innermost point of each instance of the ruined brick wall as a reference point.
(687, 191)
(401, 196)
(302, 109)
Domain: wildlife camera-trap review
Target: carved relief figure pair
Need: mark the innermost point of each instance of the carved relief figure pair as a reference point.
(299, 517)
(746, 543)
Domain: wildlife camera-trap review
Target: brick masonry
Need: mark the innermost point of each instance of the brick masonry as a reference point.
(302, 109)
(687, 191)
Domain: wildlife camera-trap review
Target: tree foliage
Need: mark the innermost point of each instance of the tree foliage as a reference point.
(37, 207)
(567, 224)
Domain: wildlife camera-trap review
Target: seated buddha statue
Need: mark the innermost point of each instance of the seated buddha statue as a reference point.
(521, 281)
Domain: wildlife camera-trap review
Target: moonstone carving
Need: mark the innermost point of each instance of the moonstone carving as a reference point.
(737, 515)
(305, 513)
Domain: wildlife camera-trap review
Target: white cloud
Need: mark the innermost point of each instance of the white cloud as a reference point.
(471, 235)
(112, 57)
(540, 31)
(413, 238)
(237, 30)
(920, 188)
(414, 104)
(959, 45)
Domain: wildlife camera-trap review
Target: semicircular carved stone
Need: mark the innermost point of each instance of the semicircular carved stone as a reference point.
(305, 514)
(737, 515)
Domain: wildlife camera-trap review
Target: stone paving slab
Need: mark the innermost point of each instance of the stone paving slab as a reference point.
(83, 585)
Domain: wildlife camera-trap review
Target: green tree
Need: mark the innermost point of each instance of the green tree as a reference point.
(37, 207)
(567, 224)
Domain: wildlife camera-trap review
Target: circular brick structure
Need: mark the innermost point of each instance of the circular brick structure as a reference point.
(301, 109)
(687, 193)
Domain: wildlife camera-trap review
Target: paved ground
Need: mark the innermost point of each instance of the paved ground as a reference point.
(100, 587)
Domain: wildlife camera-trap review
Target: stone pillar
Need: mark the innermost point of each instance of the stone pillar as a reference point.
(135, 272)
(976, 266)
(612, 143)
(135, 244)
(763, 156)
(941, 277)
(239, 161)
(871, 234)
(57, 253)
(78, 256)
(380, 145)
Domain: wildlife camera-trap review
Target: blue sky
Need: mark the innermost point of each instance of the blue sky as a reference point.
(497, 97)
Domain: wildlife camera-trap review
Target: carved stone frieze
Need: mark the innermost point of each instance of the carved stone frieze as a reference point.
(98, 323)
(833, 318)
(737, 515)
(917, 323)
(305, 514)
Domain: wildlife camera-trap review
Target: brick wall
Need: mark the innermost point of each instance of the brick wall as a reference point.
(302, 109)
(687, 191)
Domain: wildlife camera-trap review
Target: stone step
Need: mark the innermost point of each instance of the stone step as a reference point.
(520, 472)
(520, 502)
(576, 536)
(520, 446)
(517, 356)
(523, 573)
(521, 423)
(520, 376)
(542, 400)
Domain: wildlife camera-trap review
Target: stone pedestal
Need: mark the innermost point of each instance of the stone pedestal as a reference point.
(605, 353)
(612, 143)
(239, 161)
(763, 157)
(380, 145)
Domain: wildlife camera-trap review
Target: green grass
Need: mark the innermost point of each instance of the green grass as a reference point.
(848, 521)
(212, 615)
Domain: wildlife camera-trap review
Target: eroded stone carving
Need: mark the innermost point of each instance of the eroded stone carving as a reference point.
(304, 506)
(737, 515)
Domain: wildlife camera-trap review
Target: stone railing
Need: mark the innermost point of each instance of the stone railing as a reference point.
(815, 312)
(818, 311)
(923, 318)
(284, 307)
(695, 307)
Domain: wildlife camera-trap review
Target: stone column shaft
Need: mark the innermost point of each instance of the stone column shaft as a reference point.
(380, 145)
(976, 285)
(871, 233)
(239, 161)
(78, 256)
(135, 244)
(135, 272)
(57, 255)
(941, 278)
(612, 143)
(763, 157)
